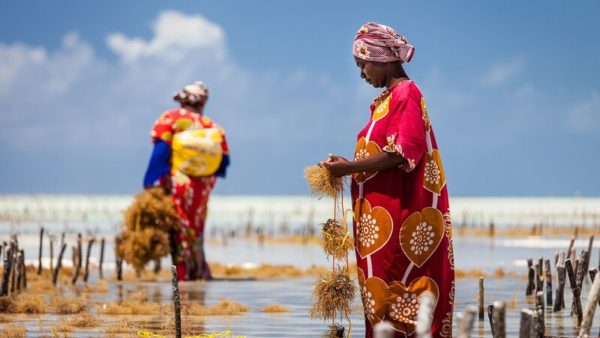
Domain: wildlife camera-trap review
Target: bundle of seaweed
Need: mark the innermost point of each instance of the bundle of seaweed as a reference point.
(336, 239)
(140, 247)
(333, 295)
(334, 331)
(151, 208)
(322, 182)
(147, 223)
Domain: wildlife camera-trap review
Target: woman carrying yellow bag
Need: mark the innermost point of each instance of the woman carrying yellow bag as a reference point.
(190, 152)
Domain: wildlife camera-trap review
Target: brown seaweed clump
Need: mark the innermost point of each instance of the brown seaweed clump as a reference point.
(336, 239)
(151, 208)
(140, 247)
(275, 308)
(322, 182)
(147, 223)
(333, 295)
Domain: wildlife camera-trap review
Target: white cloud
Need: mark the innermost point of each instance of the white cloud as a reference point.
(585, 116)
(175, 34)
(502, 73)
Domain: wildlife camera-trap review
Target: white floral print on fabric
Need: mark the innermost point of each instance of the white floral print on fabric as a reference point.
(368, 303)
(432, 172)
(405, 308)
(368, 230)
(422, 238)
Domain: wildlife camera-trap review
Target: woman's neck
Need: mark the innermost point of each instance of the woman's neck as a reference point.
(392, 81)
(192, 109)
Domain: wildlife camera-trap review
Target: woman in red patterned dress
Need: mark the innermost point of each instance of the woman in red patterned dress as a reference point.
(402, 225)
(190, 152)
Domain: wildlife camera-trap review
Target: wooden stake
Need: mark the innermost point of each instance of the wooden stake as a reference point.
(560, 290)
(77, 260)
(590, 308)
(118, 259)
(14, 251)
(102, 243)
(50, 238)
(579, 276)
(539, 266)
(480, 298)
(6, 272)
(589, 254)
(23, 271)
(540, 324)
(39, 271)
(176, 301)
(58, 264)
(87, 259)
(17, 272)
(465, 325)
(525, 327)
(490, 312)
(576, 292)
(570, 250)
(530, 278)
(548, 278)
(499, 320)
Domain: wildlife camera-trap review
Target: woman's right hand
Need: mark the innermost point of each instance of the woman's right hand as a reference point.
(337, 165)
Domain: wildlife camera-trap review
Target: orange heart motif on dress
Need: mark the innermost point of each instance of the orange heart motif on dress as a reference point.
(434, 178)
(421, 233)
(373, 227)
(403, 302)
(364, 150)
(373, 292)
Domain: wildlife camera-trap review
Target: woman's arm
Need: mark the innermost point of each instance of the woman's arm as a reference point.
(340, 166)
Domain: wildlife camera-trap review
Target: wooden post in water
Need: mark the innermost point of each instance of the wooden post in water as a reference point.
(480, 298)
(579, 274)
(75, 256)
(16, 280)
(570, 249)
(77, 259)
(14, 251)
(589, 255)
(176, 301)
(499, 320)
(23, 271)
(6, 272)
(540, 310)
(576, 292)
(559, 301)
(465, 324)
(539, 268)
(102, 243)
(425, 315)
(530, 277)
(593, 273)
(39, 271)
(118, 259)
(548, 278)
(87, 259)
(525, 326)
(490, 313)
(51, 240)
(590, 308)
(58, 264)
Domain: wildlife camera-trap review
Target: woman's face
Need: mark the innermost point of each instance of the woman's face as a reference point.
(375, 73)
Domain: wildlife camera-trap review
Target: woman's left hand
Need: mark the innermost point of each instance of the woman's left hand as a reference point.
(337, 166)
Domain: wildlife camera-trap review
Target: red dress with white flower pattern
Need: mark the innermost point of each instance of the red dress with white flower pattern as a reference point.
(402, 225)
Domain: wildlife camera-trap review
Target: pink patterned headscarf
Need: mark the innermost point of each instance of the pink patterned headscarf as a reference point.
(381, 43)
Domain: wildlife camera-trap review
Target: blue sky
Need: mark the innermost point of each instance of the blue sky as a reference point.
(513, 89)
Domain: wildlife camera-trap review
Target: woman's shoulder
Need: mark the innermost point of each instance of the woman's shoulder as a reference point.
(406, 89)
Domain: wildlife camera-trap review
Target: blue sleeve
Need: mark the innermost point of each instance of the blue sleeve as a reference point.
(222, 171)
(159, 163)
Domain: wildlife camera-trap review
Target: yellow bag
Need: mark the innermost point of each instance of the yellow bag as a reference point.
(197, 152)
